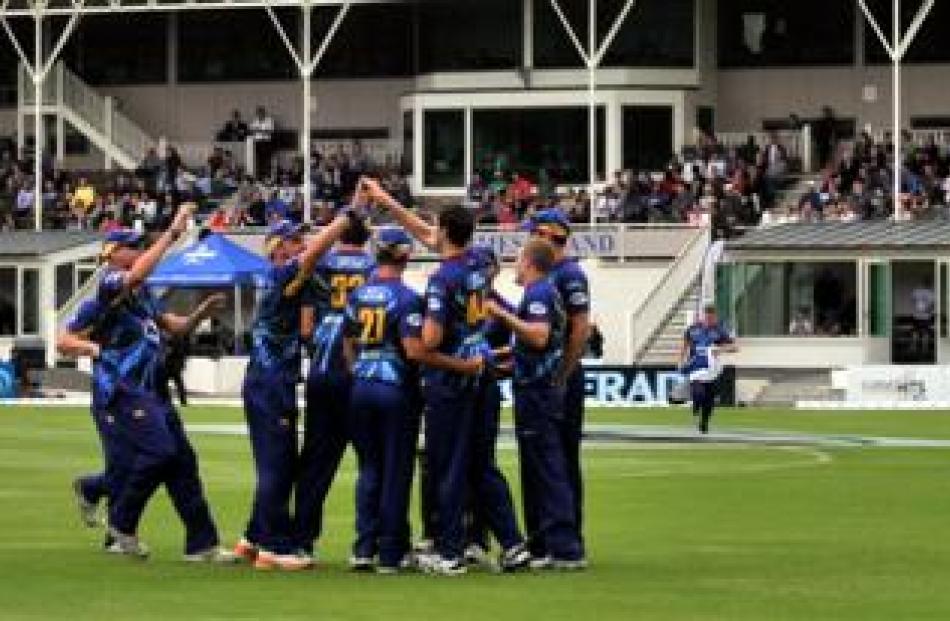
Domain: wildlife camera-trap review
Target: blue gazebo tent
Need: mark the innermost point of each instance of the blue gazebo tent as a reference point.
(212, 262)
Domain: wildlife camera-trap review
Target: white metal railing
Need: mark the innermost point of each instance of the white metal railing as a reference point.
(648, 318)
(918, 137)
(83, 100)
(129, 137)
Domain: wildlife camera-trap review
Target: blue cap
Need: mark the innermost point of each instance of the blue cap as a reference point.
(285, 229)
(552, 221)
(483, 256)
(124, 237)
(393, 240)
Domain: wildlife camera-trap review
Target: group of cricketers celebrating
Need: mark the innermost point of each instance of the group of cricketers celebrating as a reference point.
(385, 364)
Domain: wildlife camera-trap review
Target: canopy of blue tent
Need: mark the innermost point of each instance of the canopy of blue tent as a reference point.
(212, 262)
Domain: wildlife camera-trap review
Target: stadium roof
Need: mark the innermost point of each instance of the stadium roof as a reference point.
(27, 8)
(847, 236)
(37, 244)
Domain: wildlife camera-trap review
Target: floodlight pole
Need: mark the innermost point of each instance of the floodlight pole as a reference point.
(307, 74)
(896, 48)
(593, 56)
(39, 78)
(306, 64)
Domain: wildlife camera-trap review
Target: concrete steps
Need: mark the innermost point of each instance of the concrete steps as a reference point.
(665, 346)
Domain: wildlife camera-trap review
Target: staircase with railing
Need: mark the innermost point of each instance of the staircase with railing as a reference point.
(94, 115)
(655, 311)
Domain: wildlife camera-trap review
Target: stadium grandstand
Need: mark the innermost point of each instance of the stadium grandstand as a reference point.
(456, 287)
(708, 120)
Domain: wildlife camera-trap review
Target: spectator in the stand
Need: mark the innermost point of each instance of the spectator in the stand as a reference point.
(277, 209)
(478, 193)
(520, 192)
(801, 323)
(83, 197)
(826, 135)
(262, 131)
(235, 129)
(24, 199)
(257, 210)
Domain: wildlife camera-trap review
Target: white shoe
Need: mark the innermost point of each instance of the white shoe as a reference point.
(126, 545)
(447, 567)
(88, 511)
(362, 563)
(215, 555)
(476, 555)
(515, 558)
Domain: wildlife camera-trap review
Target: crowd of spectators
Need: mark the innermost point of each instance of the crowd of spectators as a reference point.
(858, 184)
(148, 198)
(708, 184)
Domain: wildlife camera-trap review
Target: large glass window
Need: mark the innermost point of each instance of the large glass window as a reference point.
(408, 139)
(444, 148)
(8, 301)
(126, 48)
(373, 41)
(31, 301)
(647, 137)
(879, 300)
(64, 284)
(654, 33)
(214, 45)
(761, 33)
(536, 142)
(797, 299)
(468, 35)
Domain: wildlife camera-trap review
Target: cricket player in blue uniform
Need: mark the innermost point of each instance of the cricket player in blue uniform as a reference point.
(344, 269)
(539, 327)
(383, 327)
(489, 506)
(571, 282)
(149, 436)
(453, 336)
(79, 338)
(270, 390)
(703, 343)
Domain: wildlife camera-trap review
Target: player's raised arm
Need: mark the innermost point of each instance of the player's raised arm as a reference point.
(179, 325)
(424, 232)
(143, 266)
(318, 245)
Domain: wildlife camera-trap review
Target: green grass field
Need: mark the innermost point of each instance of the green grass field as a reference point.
(695, 531)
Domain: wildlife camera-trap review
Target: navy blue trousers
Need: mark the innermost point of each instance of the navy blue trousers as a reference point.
(571, 434)
(153, 450)
(704, 402)
(546, 490)
(385, 428)
(270, 406)
(489, 504)
(102, 485)
(326, 434)
(449, 413)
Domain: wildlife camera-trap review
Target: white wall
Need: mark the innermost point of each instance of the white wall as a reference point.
(195, 112)
(746, 96)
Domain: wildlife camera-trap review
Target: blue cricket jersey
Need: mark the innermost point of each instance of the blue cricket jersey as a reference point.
(455, 299)
(541, 303)
(497, 333)
(124, 325)
(571, 283)
(702, 366)
(275, 332)
(338, 275)
(379, 315)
